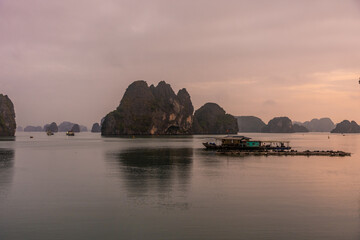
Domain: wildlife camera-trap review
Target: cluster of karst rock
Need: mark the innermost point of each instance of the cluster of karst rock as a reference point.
(158, 110)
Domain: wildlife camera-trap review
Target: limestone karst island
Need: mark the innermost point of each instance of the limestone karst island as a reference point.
(7, 117)
(157, 110)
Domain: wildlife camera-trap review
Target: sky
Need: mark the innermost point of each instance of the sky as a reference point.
(73, 60)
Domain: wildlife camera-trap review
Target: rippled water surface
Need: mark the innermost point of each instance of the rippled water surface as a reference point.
(88, 187)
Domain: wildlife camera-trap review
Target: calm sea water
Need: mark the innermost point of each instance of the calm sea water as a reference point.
(88, 187)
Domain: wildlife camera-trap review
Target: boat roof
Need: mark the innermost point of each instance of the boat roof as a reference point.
(238, 137)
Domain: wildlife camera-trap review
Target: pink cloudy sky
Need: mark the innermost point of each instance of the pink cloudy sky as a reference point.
(72, 60)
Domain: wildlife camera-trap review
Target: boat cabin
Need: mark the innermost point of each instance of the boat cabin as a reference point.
(234, 140)
(245, 143)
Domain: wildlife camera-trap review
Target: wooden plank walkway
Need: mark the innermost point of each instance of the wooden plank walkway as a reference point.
(285, 153)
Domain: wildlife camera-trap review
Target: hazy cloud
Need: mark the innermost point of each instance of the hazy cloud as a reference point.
(72, 60)
(268, 103)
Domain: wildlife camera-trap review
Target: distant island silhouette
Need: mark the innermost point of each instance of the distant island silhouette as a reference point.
(157, 110)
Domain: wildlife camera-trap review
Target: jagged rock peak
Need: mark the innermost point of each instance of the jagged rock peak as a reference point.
(145, 110)
(163, 90)
(183, 93)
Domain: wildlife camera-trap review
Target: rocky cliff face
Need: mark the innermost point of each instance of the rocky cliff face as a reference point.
(346, 127)
(7, 117)
(152, 110)
(212, 119)
(279, 125)
(319, 125)
(96, 128)
(250, 124)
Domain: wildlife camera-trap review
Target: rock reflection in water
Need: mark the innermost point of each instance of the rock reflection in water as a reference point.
(7, 139)
(6, 170)
(149, 171)
(6, 158)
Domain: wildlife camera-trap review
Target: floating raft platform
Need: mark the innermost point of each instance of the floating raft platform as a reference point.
(284, 153)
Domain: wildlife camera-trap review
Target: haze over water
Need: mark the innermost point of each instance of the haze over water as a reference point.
(88, 187)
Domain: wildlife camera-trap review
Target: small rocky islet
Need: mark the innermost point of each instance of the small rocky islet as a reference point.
(33, 129)
(346, 127)
(7, 117)
(212, 119)
(67, 126)
(75, 128)
(282, 125)
(52, 127)
(96, 128)
(318, 125)
(250, 124)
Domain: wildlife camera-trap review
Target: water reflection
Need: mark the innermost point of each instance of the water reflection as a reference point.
(6, 158)
(7, 139)
(154, 172)
(6, 170)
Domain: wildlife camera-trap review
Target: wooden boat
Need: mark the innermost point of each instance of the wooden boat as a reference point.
(70, 133)
(242, 143)
(244, 146)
